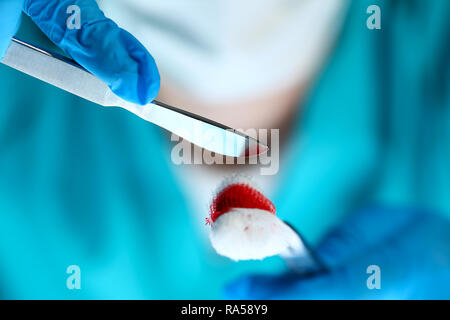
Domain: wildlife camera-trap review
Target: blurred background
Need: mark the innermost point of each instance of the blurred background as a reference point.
(364, 118)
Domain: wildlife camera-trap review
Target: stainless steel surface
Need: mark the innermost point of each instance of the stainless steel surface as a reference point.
(67, 75)
(299, 256)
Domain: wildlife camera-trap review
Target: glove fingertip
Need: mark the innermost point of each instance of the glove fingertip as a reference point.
(148, 78)
(133, 74)
(140, 87)
(151, 85)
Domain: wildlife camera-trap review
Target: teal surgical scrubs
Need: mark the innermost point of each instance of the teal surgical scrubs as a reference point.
(95, 187)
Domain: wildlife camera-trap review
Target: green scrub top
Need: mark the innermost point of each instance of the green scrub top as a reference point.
(94, 187)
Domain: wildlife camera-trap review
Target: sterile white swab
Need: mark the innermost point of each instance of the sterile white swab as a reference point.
(244, 227)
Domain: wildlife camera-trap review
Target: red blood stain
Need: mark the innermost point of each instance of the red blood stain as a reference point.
(238, 196)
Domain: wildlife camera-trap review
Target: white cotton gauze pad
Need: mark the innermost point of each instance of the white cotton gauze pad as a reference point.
(251, 234)
(244, 225)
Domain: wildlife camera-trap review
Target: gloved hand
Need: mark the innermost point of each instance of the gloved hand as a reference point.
(100, 46)
(411, 249)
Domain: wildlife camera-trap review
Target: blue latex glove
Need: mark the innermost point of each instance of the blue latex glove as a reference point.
(100, 46)
(411, 248)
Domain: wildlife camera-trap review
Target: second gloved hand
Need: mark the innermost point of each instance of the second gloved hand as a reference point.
(99, 45)
(404, 252)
